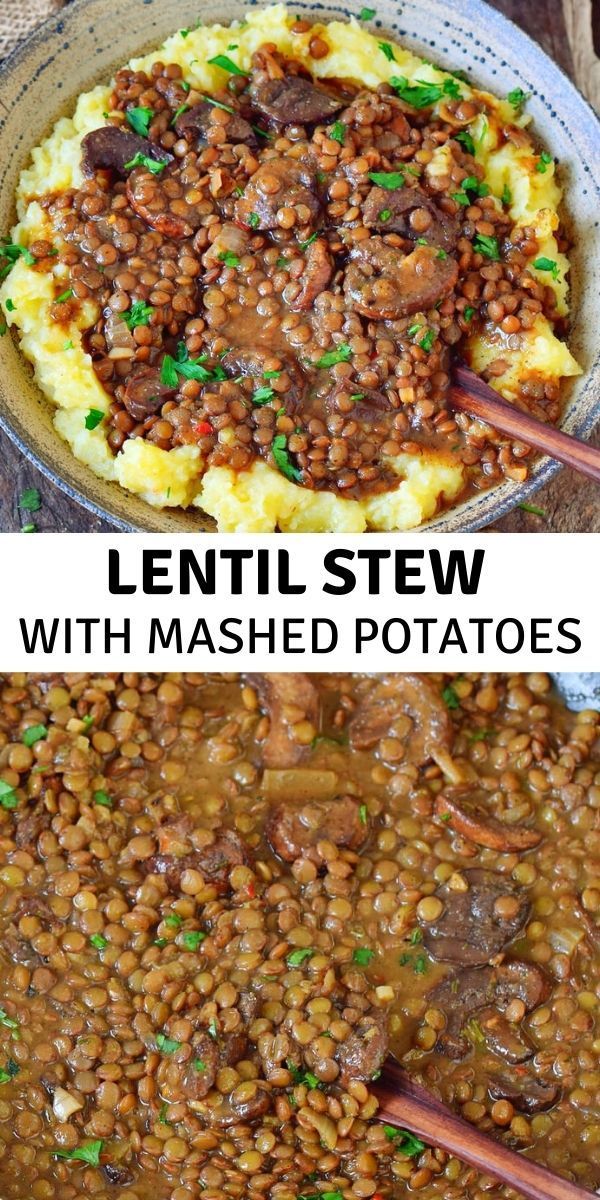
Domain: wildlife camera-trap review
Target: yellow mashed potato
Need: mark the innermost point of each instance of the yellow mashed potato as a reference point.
(260, 500)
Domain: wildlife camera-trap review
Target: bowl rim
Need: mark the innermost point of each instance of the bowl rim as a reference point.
(468, 516)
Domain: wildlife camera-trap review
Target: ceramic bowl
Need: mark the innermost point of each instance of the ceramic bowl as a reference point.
(82, 47)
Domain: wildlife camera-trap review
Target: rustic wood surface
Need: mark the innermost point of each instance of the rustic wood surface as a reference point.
(570, 503)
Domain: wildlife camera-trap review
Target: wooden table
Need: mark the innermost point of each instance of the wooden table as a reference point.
(571, 504)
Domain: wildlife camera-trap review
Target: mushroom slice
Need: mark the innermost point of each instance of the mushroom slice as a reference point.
(473, 823)
(286, 698)
(412, 697)
(385, 284)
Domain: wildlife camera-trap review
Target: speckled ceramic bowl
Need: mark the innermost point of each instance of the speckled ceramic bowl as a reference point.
(82, 47)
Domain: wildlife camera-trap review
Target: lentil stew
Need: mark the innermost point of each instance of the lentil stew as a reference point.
(223, 899)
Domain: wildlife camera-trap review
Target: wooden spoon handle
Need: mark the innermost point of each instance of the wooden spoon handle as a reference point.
(410, 1106)
(472, 395)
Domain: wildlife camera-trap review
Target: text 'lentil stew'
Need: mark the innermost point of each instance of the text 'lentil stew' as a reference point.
(281, 268)
(223, 899)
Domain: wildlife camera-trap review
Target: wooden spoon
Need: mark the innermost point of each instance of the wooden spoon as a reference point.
(470, 394)
(404, 1103)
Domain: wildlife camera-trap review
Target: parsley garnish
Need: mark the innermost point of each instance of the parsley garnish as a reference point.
(450, 697)
(385, 214)
(405, 1142)
(139, 119)
(98, 941)
(420, 965)
(166, 1044)
(179, 112)
(465, 140)
(367, 14)
(532, 508)
(30, 499)
(461, 198)
(297, 957)
(192, 938)
(300, 1076)
(362, 956)
(8, 1022)
(101, 797)
(517, 98)
(35, 733)
(262, 395)
(423, 94)
(144, 160)
(281, 457)
(64, 296)
(253, 220)
(363, 813)
(138, 314)
(468, 313)
(10, 305)
(226, 64)
(199, 1065)
(271, 374)
(543, 162)
(488, 246)
(338, 132)
(547, 264)
(229, 258)
(9, 1071)
(506, 196)
(90, 1153)
(189, 368)
(387, 50)
(173, 921)
(427, 340)
(93, 418)
(390, 180)
(343, 353)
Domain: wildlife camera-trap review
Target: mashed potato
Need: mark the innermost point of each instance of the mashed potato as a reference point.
(261, 499)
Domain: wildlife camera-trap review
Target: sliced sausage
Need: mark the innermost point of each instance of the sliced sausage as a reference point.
(384, 284)
(402, 203)
(247, 1102)
(472, 928)
(252, 363)
(504, 1038)
(476, 988)
(406, 696)
(519, 980)
(527, 1094)
(197, 124)
(110, 148)
(144, 393)
(318, 270)
(214, 862)
(279, 183)
(295, 832)
(293, 100)
(282, 695)
(474, 823)
(363, 1053)
(150, 197)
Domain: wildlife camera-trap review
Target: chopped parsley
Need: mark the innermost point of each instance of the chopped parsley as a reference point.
(212, 1027)
(506, 196)
(517, 98)
(94, 417)
(229, 258)
(185, 85)
(461, 198)
(68, 345)
(450, 697)
(253, 220)
(138, 314)
(139, 119)
(480, 735)
(10, 305)
(199, 1065)
(188, 368)
(101, 797)
(473, 184)
(282, 263)
(98, 941)
(226, 64)
(308, 241)
(166, 1044)
(405, 1142)
(90, 1153)
(297, 957)
(144, 160)
(179, 113)
(173, 920)
(362, 956)
(385, 214)
(473, 1031)
(390, 180)
(547, 264)
(299, 1076)
(426, 342)
(466, 140)
(367, 14)
(11, 251)
(413, 329)
(8, 1022)
(415, 936)
(262, 395)
(387, 50)
(533, 508)
(420, 965)
(488, 246)
(64, 296)
(281, 456)
(192, 938)
(271, 374)
(342, 353)
(337, 132)
(423, 94)
(30, 499)
(8, 796)
(30, 528)
(9, 1071)
(34, 734)
(543, 162)
(363, 813)
(468, 313)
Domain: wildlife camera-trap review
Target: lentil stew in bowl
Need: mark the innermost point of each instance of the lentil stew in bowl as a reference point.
(223, 899)
(243, 272)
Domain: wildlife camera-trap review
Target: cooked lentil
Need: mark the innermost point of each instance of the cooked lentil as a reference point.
(203, 968)
(272, 231)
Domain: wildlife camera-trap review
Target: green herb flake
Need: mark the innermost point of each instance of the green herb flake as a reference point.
(253, 220)
(229, 258)
(473, 1031)
(102, 798)
(415, 936)
(547, 264)
(162, 1114)
(488, 246)
(8, 1022)
(185, 86)
(3, 327)
(35, 733)
(387, 50)
(9, 1071)
(226, 64)
(281, 457)
(262, 395)
(199, 1065)
(183, 108)
(138, 314)
(422, 241)
(362, 956)
(98, 941)
(30, 528)
(10, 252)
(173, 921)
(468, 313)
(518, 98)
(64, 296)
(90, 1153)
(420, 966)
(363, 813)
(299, 1076)
(406, 1143)
(342, 353)
(271, 374)
(192, 938)
(506, 197)
(10, 305)
(144, 160)
(166, 1044)
(480, 735)
(390, 180)
(297, 957)
(423, 94)
(533, 508)
(385, 214)
(160, 942)
(68, 345)
(309, 240)
(139, 119)
(30, 499)
(461, 198)
(466, 141)
(212, 1028)
(450, 697)
(543, 162)
(93, 418)
(367, 14)
(426, 342)
(337, 132)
